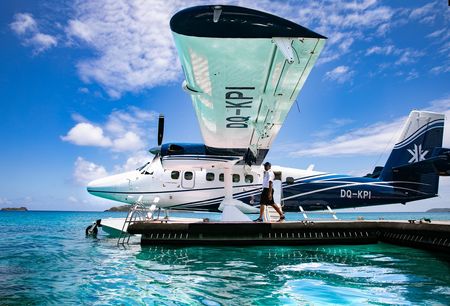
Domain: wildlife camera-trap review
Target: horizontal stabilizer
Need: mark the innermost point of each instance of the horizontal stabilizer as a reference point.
(438, 163)
(376, 172)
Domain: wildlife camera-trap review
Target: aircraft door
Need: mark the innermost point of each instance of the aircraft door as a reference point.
(188, 179)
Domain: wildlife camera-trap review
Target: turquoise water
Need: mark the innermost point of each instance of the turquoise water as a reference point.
(46, 259)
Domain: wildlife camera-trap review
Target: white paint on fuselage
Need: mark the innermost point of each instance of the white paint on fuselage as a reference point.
(154, 183)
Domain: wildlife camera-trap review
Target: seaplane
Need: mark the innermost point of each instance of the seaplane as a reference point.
(244, 69)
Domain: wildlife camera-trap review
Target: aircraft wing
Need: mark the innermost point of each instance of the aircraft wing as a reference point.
(244, 69)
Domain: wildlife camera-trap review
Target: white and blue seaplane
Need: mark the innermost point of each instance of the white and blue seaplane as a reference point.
(244, 70)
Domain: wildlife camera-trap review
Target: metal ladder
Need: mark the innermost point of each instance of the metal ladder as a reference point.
(137, 212)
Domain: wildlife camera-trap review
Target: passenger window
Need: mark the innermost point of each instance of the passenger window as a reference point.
(221, 177)
(249, 178)
(236, 178)
(188, 175)
(175, 175)
(210, 176)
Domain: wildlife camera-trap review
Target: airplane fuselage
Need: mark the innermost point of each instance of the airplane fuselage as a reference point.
(203, 189)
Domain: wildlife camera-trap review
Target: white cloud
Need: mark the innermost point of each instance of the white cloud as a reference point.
(133, 162)
(83, 90)
(408, 76)
(345, 45)
(340, 74)
(404, 56)
(343, 23)
(86, 171)
(23, 22)
(80, 30)
(409, 56)
(385, 50)
(25, 26)
(124, 130)
(368, 18)
(338, 122)
(437, 33)
(371, 140)
(42, 42)
(135, 51)
(359, 5)
(445, 48)
(331, 128)
(383, 29)
(331, 15)
(128, 142)
(440, 69)
(365, 141)
(78, 118)
(424, 13)
(132, 40)
(86, 134)
(413, 74)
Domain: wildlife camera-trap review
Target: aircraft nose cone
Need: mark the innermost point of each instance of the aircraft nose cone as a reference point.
(118, 182)
(93, 184)
(96, 185)
(103, 184)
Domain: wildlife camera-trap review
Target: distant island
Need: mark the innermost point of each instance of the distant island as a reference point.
(14, 209)
(438, 210)
(119, 208)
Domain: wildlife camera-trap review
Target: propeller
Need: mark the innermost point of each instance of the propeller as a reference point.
(157, 150)
(160, 129)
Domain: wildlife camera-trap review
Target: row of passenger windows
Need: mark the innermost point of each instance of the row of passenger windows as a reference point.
(210, 177)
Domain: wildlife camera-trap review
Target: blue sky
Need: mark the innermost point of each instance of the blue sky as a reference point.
(82, 82)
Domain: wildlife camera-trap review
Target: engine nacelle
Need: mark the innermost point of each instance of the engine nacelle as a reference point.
(188, 156)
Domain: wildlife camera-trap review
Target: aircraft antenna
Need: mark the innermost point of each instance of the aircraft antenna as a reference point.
(385, 148)
(298, 107)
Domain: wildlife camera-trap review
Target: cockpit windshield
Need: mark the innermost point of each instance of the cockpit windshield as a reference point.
(142, 167)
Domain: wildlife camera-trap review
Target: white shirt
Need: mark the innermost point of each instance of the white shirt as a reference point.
(268, 176)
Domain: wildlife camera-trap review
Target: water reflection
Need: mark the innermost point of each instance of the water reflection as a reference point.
(336, 275)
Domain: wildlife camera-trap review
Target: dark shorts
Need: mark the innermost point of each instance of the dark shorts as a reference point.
(265, 197)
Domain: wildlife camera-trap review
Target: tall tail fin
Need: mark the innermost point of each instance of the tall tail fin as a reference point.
(421, 135)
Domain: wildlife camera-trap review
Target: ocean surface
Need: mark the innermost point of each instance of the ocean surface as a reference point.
(45, 259)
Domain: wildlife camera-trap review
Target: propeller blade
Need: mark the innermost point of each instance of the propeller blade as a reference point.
(160, 129)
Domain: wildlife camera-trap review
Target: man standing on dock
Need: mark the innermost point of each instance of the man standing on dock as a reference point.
(267, 193)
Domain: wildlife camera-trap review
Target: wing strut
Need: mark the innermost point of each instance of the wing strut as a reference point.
(233, 210)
